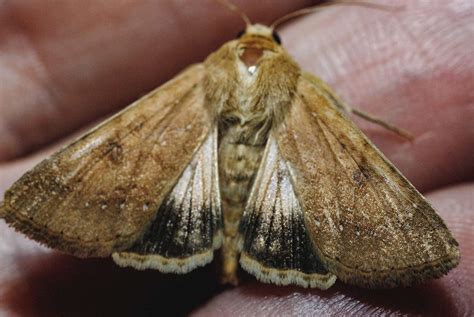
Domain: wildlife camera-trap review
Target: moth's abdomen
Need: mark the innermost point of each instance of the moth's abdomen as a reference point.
(238, 164)
(239, 159)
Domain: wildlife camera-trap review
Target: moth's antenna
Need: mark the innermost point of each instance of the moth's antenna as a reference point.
(237, 10)
(305, 11)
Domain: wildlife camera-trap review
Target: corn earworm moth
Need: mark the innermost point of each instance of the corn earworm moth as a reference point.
(246, 153)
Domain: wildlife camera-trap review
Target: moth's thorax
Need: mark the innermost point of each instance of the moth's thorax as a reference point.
(250, 77)
(249, 84)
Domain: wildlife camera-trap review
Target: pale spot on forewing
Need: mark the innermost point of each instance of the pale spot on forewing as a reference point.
(330, 221)
(427, 245)
(362, 212)
(86, 148)
(338, 210)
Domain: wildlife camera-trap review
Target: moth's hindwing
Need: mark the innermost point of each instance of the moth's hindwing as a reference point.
(369, 225)
(99, 194)
(276, 246)
(188, 225)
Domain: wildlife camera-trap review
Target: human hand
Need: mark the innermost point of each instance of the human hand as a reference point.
(63, 65)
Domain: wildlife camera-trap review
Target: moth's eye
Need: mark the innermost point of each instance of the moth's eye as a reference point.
(276, 37)
(239, 35)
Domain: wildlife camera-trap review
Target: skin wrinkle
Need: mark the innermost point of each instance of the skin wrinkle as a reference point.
(426, 55)
(37, 69)
(314, 300)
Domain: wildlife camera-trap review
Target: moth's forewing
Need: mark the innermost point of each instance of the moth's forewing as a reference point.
(188, 225)
(368, 224)
(275, 246)
(99, 194)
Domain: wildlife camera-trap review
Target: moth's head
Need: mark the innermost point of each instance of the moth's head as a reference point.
(259, 31)
(256, 43)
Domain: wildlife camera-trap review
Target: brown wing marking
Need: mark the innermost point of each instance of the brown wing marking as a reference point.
(370, 226)
(188, 225)
(276, 246)
(99, 194)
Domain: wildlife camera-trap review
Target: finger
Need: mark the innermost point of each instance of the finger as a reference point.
(448, 296)
(49, 284)
(429, 96)
(412, 68)
(65, 63)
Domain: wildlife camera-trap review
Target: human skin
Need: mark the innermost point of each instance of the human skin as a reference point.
(65, 64)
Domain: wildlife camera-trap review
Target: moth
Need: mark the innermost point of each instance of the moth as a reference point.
(247, 155)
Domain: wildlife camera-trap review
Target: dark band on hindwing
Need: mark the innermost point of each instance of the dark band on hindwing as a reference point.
(275, 245)
(280, 241)
(179, 231)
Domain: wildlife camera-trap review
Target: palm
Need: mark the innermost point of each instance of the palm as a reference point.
(65, 66)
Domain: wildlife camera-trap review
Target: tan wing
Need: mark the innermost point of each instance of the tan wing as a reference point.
(276, 245)
(188, 225)
(99, 194)
(370, 226)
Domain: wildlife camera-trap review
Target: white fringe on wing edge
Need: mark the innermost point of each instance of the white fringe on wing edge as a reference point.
(162, 264)
(285, 277)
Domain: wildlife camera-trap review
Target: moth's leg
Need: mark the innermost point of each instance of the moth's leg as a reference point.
(371, 118)
(367, 116)
(326, 90)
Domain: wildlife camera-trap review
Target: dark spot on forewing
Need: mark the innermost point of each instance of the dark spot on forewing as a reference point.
(359, 178)
(115, 151)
